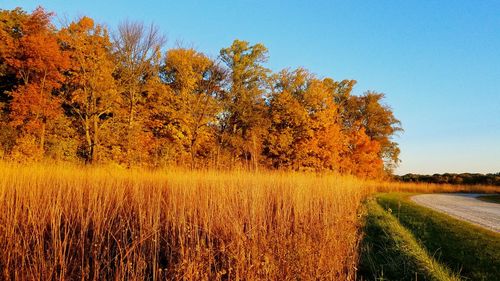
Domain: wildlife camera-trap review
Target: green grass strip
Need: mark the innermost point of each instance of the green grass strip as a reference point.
(490, 198)
(472, 251)
(390, 252)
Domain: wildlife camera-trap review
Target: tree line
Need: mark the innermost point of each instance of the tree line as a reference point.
(451, 178)
(83, 93)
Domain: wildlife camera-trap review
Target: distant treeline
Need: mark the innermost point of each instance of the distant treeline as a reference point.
(464, 178)
(81, 92)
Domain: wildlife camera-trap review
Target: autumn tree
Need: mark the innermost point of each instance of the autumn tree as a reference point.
(305, 132)
(90, 90)
(378, 121)
(74, 91)
(185, 112)
(30, 50)
(243, 121)
(10, 26)
(340, 91)
(289, 130)
(362, 156)
(8, 77)
(137, 50)
(323, 149)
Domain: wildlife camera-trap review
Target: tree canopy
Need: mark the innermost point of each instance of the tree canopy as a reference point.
(84, 93)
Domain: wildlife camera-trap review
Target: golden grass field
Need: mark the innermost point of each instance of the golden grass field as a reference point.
(105, 223)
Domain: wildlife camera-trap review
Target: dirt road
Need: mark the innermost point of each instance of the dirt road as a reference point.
(465, 207)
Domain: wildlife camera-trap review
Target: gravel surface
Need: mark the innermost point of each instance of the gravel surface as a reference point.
(465, 207)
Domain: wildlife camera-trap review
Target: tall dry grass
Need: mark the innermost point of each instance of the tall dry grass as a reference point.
(77, 223)
(430, 187)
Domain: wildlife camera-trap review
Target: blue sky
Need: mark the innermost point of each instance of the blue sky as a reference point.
(438, 62)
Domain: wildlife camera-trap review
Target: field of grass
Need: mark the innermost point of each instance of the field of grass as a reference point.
(469, 250)
(101, 223)
(105, 223)
(388, 186)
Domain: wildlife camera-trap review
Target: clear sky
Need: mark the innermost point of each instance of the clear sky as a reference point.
(437, 61)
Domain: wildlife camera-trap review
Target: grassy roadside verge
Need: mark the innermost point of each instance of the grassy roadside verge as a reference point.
(390, 252)
(490, 198)
(463, 247)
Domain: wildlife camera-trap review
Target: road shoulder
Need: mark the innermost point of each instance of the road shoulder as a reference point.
(464, 207)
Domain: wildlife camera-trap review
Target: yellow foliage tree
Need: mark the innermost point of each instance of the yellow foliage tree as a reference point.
(137, 51)
(91, 93)
(243, 122)
(188, 107)
(304, 131)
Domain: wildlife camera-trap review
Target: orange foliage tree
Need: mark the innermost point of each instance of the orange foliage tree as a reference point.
(362, 156)
(30, 49)
(377, 119)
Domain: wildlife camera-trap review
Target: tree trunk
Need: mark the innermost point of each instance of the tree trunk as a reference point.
(128, 142)
(95, 142)
(192, 152)
(90, 152)
(254, 153)
(42, 139)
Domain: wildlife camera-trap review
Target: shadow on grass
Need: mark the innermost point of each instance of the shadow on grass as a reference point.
(490, 198)
(472, 251)
(390, 252)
